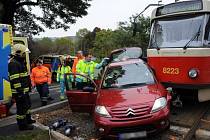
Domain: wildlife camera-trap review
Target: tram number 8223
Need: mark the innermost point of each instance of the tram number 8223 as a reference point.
(170, 70)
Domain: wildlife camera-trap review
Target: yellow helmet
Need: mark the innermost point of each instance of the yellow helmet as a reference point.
(19, 49)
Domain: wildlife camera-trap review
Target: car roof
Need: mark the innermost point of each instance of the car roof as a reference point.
(125, 62)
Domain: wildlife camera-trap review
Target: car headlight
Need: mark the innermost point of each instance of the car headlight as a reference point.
(159, 104)
(193, 73)
(101, 110)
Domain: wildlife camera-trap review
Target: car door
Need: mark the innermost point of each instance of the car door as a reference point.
(82, 100)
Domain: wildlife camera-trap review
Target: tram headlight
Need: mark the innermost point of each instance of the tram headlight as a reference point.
(193, 73)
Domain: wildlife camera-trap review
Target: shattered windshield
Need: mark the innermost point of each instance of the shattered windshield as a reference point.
(129, 75)
(177, 32)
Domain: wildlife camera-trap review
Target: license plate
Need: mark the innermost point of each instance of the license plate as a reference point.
(126, 136)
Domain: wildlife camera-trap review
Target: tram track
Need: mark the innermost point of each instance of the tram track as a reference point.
(199, 118)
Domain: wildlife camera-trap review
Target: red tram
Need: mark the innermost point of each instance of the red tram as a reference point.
(179, 49)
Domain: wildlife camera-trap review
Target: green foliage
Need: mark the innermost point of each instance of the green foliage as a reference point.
(86, 38)
(103, 43)
(55, 14)
(82, 41)
(107, 40)
(64, 46)
(82, 32)
(99, 42)
(48, 46)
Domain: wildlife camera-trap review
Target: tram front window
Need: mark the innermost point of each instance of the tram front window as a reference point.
(177, 32)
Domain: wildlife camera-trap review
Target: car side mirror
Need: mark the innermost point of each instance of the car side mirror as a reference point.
(88, 89)
(106, 61)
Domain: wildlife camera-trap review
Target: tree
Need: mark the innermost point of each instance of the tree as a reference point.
(86, 38)
(64, 46)
(103, 43)
(141, 39)
(81, 42)
(55, 13)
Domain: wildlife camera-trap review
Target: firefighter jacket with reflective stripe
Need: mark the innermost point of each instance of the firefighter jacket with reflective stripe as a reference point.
(62, 70)
(40, 75)
(18, 75)
(86, 68)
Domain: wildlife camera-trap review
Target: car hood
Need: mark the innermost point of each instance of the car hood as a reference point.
(129, 96)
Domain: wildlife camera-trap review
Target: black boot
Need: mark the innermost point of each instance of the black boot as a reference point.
(50, 99)
(29, 119)
(44, 103)
(26, 127)
(22, 124)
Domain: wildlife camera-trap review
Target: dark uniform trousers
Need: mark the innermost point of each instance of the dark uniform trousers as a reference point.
(43, 91)
(23, 104)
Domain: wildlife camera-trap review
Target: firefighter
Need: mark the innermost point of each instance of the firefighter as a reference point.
(41, 78)
(20, 85)
(65, 80)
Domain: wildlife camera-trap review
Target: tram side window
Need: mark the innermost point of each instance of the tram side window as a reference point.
(207, 34)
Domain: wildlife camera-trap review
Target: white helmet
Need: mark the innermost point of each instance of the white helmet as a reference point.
(19, 49)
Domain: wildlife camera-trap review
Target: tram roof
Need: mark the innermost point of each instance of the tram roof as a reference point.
(181, 8)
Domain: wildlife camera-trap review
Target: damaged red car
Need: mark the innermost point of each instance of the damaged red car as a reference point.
(128, 103)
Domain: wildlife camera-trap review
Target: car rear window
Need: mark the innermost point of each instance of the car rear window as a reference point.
(128, 75)
(47, 60)
(50, 60)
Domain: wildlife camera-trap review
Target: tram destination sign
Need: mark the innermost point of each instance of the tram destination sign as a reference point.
(180, 7)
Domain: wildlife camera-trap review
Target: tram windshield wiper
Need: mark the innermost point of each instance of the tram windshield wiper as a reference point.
(197, 34)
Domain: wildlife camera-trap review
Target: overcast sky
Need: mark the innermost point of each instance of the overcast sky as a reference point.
(105, 14)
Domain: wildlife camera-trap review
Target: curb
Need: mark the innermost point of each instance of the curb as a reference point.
(12, 119)
(202, 134)
(53, 134)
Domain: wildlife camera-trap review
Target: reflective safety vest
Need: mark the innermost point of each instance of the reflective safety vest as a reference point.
(86, 68)
(62, 70)
(18, 75)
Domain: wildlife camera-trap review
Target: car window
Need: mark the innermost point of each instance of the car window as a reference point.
(127, 76)
(47, 60)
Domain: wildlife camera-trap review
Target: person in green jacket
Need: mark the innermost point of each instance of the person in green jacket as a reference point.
(65, 80)
(86, 67)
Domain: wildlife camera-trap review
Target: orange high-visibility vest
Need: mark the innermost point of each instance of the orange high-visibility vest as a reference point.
(40, 75)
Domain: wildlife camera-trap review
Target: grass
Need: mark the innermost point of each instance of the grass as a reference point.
(32, 135)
